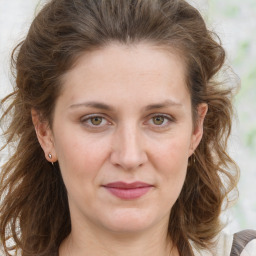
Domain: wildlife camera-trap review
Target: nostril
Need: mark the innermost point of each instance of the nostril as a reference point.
(128, 161)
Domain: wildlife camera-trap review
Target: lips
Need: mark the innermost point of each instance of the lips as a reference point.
(128, 191)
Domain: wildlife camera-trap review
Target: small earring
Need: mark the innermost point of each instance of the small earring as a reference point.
(50, 156)
(192, 160)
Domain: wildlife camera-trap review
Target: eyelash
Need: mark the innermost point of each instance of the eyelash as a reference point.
(167, 120)
(86, 121)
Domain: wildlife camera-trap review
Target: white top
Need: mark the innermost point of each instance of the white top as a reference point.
(250, 249)
(223, 248)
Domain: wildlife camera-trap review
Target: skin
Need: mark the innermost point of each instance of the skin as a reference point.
(141, 129)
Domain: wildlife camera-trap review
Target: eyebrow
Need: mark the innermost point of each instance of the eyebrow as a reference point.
(93, 104)
(103, 106)
(164, 104)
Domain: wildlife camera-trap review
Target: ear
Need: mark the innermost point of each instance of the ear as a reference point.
(199, 127)
(44, 136)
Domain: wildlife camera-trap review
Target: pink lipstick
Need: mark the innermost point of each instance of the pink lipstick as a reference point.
(128, 191)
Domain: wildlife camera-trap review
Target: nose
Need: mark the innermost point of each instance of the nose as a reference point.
(128, 148)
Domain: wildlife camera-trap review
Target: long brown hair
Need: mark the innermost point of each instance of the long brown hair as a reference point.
(34, 208)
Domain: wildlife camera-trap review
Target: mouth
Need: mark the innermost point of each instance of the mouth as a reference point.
(128, 191)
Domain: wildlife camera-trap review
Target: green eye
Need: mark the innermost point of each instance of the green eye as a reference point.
(158, 120)
(96, 120)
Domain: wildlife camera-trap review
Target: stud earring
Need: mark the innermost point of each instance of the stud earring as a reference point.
(50, 156)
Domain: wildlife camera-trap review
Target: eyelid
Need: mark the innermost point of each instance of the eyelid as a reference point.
(170, 119)
(85, 118)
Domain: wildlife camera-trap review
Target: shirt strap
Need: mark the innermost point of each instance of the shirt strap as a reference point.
(240, 240)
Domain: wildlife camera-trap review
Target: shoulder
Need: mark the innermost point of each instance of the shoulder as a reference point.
(239, 244)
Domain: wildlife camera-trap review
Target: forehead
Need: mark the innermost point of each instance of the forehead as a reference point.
(142, 69)
(142, 53)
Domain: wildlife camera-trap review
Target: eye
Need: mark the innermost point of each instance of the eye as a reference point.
(94, 121)
(161, 120)
(97, 120)
(158, 120)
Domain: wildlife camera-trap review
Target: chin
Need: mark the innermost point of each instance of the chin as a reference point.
(129, 221)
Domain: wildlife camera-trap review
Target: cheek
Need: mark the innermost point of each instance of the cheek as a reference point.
(173, 151)
(79, 156)
(80, 163)
(171, 160)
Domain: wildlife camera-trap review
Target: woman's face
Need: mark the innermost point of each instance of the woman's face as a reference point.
(123, 133)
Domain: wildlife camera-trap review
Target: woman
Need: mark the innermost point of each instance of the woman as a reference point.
(119, 127)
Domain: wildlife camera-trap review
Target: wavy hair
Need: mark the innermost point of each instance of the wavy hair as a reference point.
(34, 212)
